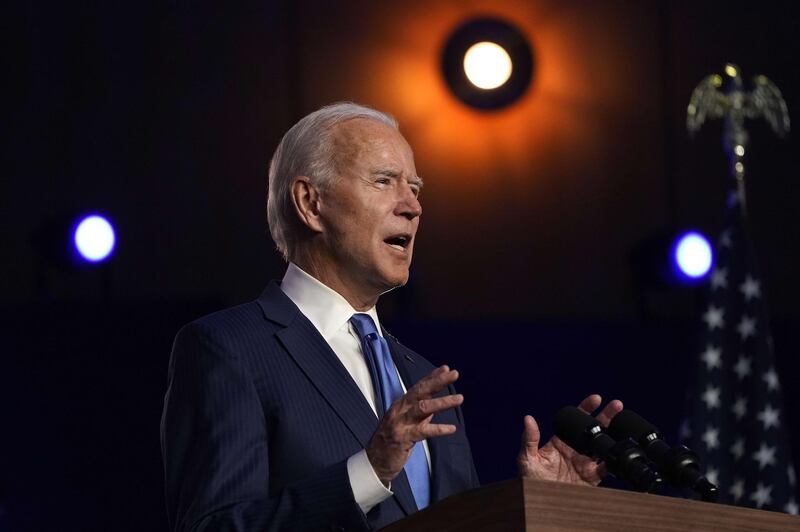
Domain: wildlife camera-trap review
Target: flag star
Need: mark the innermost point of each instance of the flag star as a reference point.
(764, 456)
(791, 474)
(791, 507)
(712, 475)
(739, 407)
(725, 239)
(737, 449)
(762, 495)
(769, 417)
(751, 288)
(746, 327)
(714, 317)
(742, 367)
(771, 378)
(712, 356)
(719, 278)
(737, 489)
(711, 397)
(711, 438)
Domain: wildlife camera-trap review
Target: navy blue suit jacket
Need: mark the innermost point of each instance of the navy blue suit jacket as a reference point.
(260, 417)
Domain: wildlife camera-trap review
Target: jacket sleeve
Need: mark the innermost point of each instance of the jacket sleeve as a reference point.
(215, 445)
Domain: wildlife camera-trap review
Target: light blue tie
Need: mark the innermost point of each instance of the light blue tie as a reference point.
(388, 389)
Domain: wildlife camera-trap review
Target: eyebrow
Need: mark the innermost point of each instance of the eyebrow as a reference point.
(416, 180)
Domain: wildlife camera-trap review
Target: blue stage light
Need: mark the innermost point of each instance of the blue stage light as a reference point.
(692, 255)
(94, 238)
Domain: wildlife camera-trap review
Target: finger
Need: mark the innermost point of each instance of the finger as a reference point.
(612, 409)
(591, 403)
(432, 430)
(437, 380)
(426, 407)
(531, 435)
(589, 471)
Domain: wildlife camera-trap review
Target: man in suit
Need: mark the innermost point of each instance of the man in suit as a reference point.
(298, 411)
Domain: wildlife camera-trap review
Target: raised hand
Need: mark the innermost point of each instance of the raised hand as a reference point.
(558, 461)
(409, 421)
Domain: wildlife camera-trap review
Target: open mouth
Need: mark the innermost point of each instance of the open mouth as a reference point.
(399, 242)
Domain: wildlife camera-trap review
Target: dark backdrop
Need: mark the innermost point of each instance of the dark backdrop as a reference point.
(164, 116)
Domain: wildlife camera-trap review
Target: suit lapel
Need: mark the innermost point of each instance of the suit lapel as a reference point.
(319, 363)
(322, 367)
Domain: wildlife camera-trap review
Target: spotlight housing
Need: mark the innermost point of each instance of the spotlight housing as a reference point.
(671, 258)
(487, 63)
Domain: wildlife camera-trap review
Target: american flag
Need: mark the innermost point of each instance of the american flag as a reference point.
(737, 421)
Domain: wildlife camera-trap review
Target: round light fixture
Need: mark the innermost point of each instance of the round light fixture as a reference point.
(487, 63)
(94, 238)
(692, 255)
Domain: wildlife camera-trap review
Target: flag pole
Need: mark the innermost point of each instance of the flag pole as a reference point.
(738, 422)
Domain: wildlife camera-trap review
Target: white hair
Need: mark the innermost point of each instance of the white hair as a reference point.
(307, 149)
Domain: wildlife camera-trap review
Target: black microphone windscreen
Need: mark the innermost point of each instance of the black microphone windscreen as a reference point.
(629, 424)
(572, 425)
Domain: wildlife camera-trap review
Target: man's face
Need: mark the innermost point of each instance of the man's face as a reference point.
(371, 211)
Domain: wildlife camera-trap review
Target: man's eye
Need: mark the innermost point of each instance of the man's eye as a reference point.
(383, 181)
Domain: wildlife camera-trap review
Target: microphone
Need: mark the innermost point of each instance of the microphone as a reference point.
(679, 465)
(623, 458)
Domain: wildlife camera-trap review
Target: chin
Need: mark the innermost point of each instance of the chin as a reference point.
(395, 279)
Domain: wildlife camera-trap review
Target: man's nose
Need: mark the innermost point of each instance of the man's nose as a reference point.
(408, 204)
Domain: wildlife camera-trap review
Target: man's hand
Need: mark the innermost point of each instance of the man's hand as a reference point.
(558, 461)
(409, 421)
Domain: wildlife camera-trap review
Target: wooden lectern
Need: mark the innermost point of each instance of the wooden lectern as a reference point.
(522, 505)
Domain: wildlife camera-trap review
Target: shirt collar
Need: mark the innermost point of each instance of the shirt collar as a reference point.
(325, 308)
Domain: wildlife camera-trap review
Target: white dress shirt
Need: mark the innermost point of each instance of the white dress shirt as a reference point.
(330, 313)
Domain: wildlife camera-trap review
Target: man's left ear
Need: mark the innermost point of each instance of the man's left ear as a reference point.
(305, 197)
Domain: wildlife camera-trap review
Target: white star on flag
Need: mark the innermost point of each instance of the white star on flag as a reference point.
(737, 489)
(712, 475)
(711, 438)
(711, 397)
(742, 367)
(746, 327)
(791, 507)
(714, 318)
(737, 449)
(750, 288)
(769, 417)
(771, 378)
(719, 278)
(764, 456)
(762, 495)
(712, 356)
(791, 474)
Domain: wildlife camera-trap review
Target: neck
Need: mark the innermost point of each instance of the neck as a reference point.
(336, 281)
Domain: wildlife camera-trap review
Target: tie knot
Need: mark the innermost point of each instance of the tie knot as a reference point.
(364, 325)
